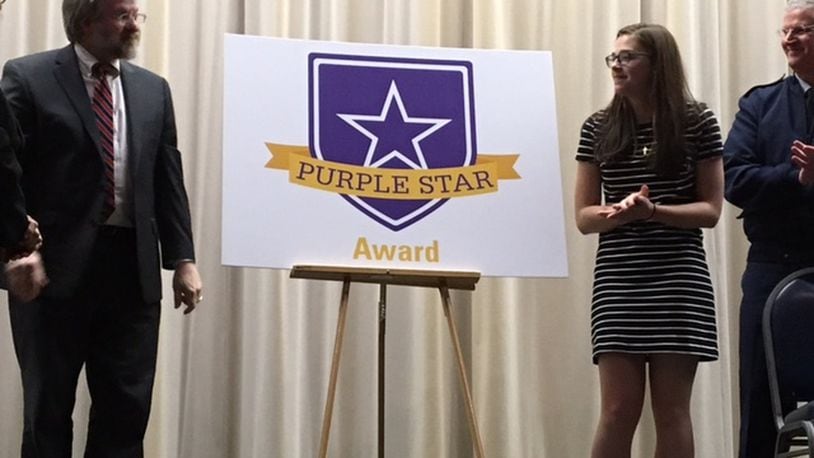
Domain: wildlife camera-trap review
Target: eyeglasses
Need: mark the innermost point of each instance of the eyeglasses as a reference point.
(794, 32)
(138, 18)
(624, 58)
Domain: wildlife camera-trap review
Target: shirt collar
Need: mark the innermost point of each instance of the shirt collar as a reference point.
(802, 82)
(86, 60)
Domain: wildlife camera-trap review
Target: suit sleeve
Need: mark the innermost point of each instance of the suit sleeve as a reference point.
(172, 204)
(753, 182)
(12, 203)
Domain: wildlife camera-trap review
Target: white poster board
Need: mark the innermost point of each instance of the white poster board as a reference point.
(390, 156)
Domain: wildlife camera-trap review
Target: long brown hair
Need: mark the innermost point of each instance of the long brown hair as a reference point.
(671, 99)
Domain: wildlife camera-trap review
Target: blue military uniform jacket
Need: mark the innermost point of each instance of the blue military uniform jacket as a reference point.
(778, 211)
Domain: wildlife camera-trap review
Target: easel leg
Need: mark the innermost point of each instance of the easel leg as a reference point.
(477, 443)
(329, 401)
(382, 333)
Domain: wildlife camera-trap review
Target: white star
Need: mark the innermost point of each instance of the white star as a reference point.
(371, 160)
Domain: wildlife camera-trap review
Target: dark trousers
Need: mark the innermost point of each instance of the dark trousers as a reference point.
(757, 432)
(107, 327)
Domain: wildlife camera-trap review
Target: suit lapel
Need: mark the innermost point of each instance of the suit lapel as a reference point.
(67, 73)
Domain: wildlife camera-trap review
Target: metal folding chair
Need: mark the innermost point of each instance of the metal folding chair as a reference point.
(788, 333)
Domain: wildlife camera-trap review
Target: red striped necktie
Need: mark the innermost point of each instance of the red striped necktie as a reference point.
(103, 109)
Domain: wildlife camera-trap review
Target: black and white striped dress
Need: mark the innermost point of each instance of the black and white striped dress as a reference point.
(652, 291)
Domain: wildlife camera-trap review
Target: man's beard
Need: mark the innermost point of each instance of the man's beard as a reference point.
(127, 49)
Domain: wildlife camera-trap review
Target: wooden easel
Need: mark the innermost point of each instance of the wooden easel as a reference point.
(443, 280)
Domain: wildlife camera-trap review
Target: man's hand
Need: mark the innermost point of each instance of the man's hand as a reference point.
(187, 286)
(25, 277)
(802, 155)
(31, 242)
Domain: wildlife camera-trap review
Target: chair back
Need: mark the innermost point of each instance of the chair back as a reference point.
(788, 332)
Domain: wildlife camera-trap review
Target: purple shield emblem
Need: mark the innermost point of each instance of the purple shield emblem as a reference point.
(388, 113)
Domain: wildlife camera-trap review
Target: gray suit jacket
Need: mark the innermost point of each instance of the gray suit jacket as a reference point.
(62, 167)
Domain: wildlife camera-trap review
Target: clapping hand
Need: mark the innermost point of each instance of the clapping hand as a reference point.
(636, 206)
(802, 155)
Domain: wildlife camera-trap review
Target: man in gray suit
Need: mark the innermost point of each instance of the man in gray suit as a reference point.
(102, 176)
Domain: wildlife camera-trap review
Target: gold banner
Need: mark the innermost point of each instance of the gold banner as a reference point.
(401, 184)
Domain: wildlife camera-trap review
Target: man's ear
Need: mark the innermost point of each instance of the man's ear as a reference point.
(88, 21)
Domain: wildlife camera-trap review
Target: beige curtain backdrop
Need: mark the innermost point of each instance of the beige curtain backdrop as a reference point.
(246, 374)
